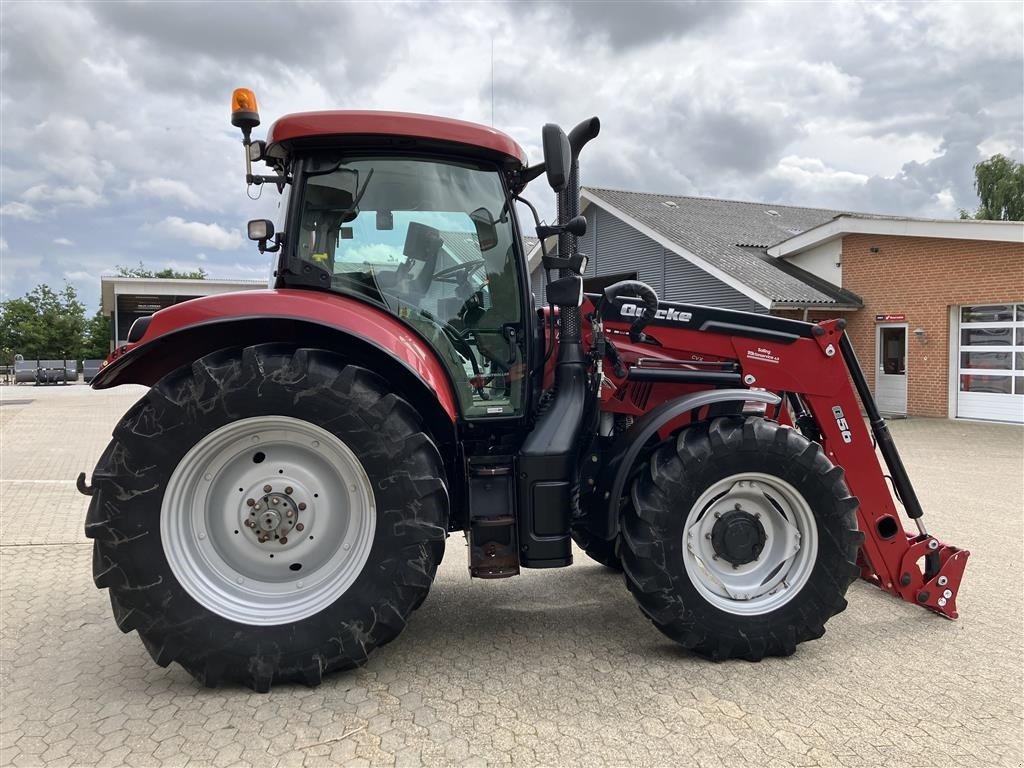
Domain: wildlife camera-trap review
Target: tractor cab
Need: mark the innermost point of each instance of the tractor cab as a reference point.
(414, 215)
(430, 240)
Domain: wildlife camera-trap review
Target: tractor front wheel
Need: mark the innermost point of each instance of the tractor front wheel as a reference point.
(267, 515)
(741, 539)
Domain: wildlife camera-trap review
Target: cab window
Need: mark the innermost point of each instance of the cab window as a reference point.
(432, 242)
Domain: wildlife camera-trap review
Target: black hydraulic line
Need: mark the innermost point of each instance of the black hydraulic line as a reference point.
(900, 478)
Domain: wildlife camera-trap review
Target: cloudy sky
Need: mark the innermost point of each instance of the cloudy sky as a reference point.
(117, 147)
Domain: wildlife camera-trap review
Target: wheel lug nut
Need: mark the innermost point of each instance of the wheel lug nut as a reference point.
(274, 501)
(250, 502)
(289, 490)
(299, 526)
(267, 489)
(283, 540)
(302, 505)
(288, 513)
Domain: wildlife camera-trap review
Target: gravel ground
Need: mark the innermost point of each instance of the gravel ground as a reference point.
(555, 668)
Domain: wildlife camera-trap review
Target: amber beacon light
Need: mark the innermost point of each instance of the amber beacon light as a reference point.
(244, 112)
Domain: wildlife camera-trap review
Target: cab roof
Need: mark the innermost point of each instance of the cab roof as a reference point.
(313, 126)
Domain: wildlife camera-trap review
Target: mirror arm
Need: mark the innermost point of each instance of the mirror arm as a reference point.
(532, 172)
(257, 180)
(264, 248)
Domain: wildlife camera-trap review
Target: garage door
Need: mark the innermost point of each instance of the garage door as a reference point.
(991, 362)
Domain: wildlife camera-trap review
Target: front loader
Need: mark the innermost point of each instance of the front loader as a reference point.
(276, 506)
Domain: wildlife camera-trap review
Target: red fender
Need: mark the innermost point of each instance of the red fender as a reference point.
(160, 349)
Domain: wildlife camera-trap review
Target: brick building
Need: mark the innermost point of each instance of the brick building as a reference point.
(935, 308)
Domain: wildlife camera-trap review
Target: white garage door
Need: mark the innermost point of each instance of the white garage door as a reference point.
(991, 363)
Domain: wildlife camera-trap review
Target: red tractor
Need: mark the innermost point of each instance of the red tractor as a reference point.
(276, 506)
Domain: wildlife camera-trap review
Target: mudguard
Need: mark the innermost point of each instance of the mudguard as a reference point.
(184, 332)
(627, 449)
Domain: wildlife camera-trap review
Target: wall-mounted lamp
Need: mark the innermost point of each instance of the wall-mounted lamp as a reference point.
(921, 335)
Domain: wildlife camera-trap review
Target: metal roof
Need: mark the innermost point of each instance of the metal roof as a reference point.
(732, 237)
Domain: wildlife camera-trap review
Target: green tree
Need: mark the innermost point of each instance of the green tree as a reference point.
(167, 273)
(96, 339)
(43, 324)
(999, 182)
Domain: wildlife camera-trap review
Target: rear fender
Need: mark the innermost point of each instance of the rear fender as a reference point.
(185, 332)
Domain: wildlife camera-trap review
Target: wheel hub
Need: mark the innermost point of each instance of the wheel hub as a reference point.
(274, 515)
(738, 536)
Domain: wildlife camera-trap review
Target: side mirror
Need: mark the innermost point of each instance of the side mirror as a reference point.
(486, 231)
(577, 226)
(557, 156)
(260, 229)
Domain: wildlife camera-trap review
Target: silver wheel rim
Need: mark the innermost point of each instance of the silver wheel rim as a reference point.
(268, 557)
(784, 564)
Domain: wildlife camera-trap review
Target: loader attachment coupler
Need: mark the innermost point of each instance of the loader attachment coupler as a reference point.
(915, 566)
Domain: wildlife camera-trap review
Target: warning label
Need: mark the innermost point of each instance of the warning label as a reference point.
(763, 354)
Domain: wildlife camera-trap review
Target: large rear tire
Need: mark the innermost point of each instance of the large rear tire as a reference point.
(267, 515)
(741, 540)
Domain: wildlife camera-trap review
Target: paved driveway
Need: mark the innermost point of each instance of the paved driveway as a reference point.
(552, 667)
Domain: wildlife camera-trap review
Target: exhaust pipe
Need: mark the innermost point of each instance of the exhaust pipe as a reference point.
(547, 462)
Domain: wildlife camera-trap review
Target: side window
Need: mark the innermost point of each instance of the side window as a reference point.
(432, 242)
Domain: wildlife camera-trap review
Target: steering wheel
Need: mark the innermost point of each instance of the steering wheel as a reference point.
(450, 272)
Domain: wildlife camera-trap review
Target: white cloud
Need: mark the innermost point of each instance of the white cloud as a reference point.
(127, 103)
(197, 233)
(63, 241)
(79, 276)
(78, 195)
(3, 244)
(17, 210)
(169, 190)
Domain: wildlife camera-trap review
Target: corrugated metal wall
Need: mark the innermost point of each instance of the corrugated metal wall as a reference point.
(692, 285)
(621, 248)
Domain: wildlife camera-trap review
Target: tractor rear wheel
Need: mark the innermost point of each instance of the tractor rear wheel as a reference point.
(267, 515)
(741, 540)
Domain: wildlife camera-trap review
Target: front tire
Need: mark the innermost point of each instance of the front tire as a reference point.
(267, 515)
(599, 550)
(741, 540)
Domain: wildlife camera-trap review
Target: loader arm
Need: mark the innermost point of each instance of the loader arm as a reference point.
(821, 389)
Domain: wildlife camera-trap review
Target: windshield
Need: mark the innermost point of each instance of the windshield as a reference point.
(432, 241)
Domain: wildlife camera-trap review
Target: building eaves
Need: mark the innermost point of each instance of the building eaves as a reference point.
(900, 226)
